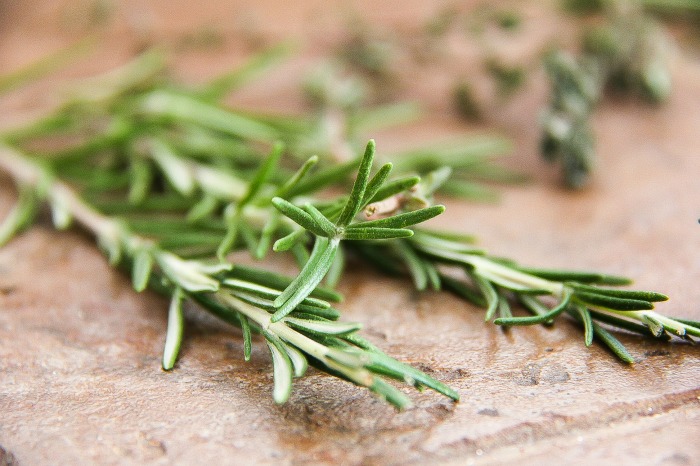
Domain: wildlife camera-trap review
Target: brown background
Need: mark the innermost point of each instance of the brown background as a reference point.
(80, 379)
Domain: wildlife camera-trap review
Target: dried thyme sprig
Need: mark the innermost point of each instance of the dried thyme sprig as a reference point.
(239, 295)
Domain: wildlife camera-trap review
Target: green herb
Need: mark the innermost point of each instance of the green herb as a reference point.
(296, 325)
(493, 283)
(625, 53)
(149, 180)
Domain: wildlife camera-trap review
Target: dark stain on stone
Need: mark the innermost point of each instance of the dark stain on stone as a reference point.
(676, 458)
(529, 375)
(488, 412)
(554, 373)
(7, 458)
(535, 373)
(656, 352)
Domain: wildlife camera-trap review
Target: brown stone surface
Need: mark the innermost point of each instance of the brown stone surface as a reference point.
(80, 378)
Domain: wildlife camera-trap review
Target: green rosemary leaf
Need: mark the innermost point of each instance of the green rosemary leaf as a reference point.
(21, 215)
(44, 65)
(623, 294)
(504, 311)
(460, 152)
(587, 324)
(263, 174)
(137, 74)
(574, 276)
(613, 343)
(277, 281)
(284, 190)
(268, 231)
(283, 370)
(401, 220)
(160, 203)
(468, 190)
(302, 310)
(247, 338)
(383, 364)
(535, 306)
(111, 247)
(621, 304)
(619, 322)
(354, 203)
(269, 293)
(373, 255)
(249, 237)
(310, 276)
(185, 109)
(288, 242)
(301, 217)
(188, 274)
(390, 394)
(229, 240)
(141, 269)
(415, 265)
(141, 180)
(321, 179)
(227, 313)
(175, 169)
(255, 66)
(58, 122)
(323, 328)
(369, 233)
(176, 325)
(376, 183)
(61, 216)
(490, 295)
(298, 360)
(463, 290)
(511, 283)
(538, 319)
(395, 187)
(437, 243)
(655, 327)
(433, 180)
(188, 239)
(326, 225)
(372, 119)
(336, 271)
(301, 254)
(692, 323)
(202, 209)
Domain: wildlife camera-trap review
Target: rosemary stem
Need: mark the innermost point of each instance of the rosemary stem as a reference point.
(484, 265)
(670, 324)
(322, 353)
(27, 172)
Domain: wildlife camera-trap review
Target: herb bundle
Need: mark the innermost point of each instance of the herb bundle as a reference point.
(169, 182)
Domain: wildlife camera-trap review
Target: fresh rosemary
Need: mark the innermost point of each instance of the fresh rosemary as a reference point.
(169, 182)
(626, 53)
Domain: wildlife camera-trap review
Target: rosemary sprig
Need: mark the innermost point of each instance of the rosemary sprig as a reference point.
(169, 181)
(242, 296)
(493, 283)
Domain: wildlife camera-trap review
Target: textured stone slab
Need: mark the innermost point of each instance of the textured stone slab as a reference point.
(80, 378)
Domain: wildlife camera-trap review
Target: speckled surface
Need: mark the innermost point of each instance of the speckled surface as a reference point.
(80, 378)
